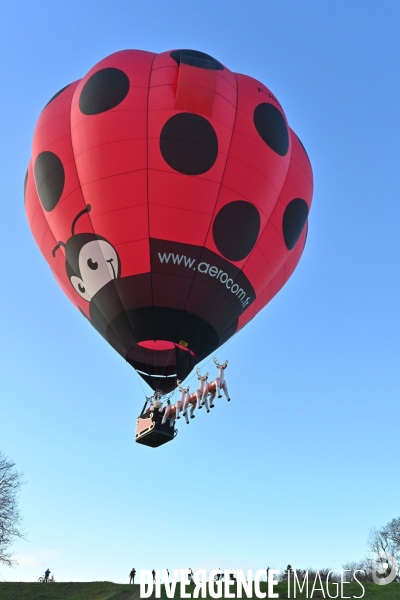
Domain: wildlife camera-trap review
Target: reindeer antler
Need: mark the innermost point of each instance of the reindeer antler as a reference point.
(181, 388)
(198, 372)
(215, 359)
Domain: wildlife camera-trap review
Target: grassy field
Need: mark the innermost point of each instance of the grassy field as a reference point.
(104, 590)
(98, 590)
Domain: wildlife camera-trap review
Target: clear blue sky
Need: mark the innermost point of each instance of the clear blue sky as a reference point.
(304, 459)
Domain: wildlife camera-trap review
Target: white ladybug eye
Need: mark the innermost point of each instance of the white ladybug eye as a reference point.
(98, 264)
(80, 287)
(92, 265)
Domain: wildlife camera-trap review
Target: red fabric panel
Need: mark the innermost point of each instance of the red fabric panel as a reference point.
(196, 90)
(187, 226)
(121, 222)
(194, 195)
(134, 257)
(183, 191)
(111, 156)
(113, 142)
(53, 134)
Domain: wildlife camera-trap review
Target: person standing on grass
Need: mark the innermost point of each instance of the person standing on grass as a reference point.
(132, 576)
(46, 575)
(154, 574)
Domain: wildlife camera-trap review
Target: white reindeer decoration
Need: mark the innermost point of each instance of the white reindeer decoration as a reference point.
(214, 387)
(188, 399)
(180, 403)
(200, 392)
(220, 383)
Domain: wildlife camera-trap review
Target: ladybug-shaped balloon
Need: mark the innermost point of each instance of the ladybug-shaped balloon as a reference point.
(170, 198)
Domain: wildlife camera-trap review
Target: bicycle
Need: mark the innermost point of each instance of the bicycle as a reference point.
(42, 579)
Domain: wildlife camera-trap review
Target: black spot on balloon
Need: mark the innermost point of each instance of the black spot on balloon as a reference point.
(103, 91)
(271, 127)
(196, 59)
(306, 236)
(49, 178)
(25, 184)
(236, 228)
(189, 144)
(57, 94)
(294, 219)
(302, 145)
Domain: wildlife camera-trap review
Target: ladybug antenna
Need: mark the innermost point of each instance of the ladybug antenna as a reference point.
(84, 211)
(57, 248)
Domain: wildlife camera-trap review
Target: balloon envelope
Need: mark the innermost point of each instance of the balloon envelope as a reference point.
(170, 198)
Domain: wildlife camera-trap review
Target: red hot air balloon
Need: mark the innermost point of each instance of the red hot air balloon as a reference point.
(170, 198)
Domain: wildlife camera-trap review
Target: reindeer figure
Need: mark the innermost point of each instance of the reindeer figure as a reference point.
(200, 392)
(185, 398)
(220, 383)
(179, 403)
(209, 388)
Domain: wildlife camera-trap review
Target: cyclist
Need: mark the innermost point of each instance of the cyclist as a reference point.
(46, 575)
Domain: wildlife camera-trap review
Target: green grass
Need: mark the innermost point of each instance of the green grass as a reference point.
(104, 590)
(98, 590)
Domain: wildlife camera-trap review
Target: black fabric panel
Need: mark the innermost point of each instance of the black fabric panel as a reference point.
(103, 91)
(165, 371)
(199, 309)
(171, 290)
(302, 145)
(191, 57)
(153, 362)
(236, 228)
(294, 219)
(57, 94)
(164, 363)
(200, 63)
(189, 144)
(161, 384)
(271, 127)
(185, 362)
(25, 184)
(128, 293)
(49, 178)
(209, 273)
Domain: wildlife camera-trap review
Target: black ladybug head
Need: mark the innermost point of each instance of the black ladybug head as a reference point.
(91, 261)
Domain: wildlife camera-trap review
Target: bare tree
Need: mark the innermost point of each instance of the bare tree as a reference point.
(10, 520)
(393, 532)
(386, 539)
(364, 568)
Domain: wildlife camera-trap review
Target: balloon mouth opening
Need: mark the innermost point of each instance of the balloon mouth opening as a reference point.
(164, 345)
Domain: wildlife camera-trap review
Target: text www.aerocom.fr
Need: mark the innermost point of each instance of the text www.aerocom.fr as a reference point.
(206, 269)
